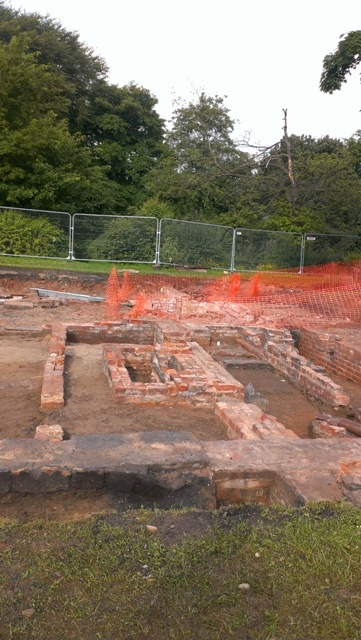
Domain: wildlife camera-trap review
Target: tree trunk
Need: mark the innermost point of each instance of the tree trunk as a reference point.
(289, 160)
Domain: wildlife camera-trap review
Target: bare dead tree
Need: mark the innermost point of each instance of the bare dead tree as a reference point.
(289, 159)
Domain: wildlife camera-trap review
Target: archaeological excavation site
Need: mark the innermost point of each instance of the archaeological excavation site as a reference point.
(179, 390)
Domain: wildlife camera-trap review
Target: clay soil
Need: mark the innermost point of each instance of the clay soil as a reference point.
(288, 403)
(90, 405)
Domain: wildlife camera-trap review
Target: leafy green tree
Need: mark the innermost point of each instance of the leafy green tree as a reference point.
(153, 207)
(328, 188)
(339, 64)
(41, 164)
(64, 55)
(200, 173)
(88, 144)
(125, 134)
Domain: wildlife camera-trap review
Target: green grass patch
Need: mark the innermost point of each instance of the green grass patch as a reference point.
(100, 267)
(108, 580)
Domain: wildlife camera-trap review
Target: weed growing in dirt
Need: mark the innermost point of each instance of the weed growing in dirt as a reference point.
(107, 578)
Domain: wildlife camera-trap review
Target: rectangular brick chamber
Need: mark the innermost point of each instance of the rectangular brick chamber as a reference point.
(172, 374)
(162, 363)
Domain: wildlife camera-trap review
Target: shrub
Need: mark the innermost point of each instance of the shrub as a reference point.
(24, 235)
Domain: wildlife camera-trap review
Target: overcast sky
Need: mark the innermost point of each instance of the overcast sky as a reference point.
(264, 55)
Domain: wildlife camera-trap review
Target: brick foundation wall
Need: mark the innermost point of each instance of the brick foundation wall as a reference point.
(277, 347)
(52, 393)
(334, 355)
(135, 332)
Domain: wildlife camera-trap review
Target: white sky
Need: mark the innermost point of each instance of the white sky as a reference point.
(264, 55)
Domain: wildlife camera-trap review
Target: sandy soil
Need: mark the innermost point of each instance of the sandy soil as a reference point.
(90, 404)
(288, 403)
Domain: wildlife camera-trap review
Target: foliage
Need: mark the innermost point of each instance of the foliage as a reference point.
(339, 64)
(328, 188)
(195, 245)
(125, 239)
(23, 235)
(201, 170)
(125, 135)
(69, 139)
(153, 208)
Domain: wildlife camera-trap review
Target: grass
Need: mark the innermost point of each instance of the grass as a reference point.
(98, 267)
(101, 579)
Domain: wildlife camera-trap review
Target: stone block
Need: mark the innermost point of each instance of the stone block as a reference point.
(25, 481)
(323, 429)
(50, 433)
(18, 305)
(52, 479)
(5, 481)
(122, 479)
(87, 478)
(240, 490)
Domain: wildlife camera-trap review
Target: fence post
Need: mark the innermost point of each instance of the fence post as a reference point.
(233, 251)
(157, 244)
(71, 237)
(302, 257)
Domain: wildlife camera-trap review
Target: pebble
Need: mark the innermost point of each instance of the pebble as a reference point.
(244, 586)
(151, 529)
(257, 555)
(28, 613)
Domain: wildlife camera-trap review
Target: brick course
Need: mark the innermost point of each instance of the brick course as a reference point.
(336, 356)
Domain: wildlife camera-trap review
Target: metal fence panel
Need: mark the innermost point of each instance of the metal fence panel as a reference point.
(320, 248)
(259, 250)
(114, 238)
(34, 233)
(195, 244)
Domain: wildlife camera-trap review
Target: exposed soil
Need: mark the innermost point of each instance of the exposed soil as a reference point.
(289, 404)
(90, 404)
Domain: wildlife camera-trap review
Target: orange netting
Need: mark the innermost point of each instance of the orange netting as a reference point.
(322, 295)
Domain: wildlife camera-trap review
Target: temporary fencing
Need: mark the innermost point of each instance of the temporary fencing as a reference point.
(114, 238)
(318, 248)
(140, 239)
(195, 244)
(35, 233)
(259, 250)
(321, 296)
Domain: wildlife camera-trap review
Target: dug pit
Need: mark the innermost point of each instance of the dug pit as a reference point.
(166, 377)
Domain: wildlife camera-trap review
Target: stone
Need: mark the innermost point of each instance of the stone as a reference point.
(244, 586)
(28, 613)
(50, 433)
(253, 397)
(323, 429)
(20, 305)
(151, 529)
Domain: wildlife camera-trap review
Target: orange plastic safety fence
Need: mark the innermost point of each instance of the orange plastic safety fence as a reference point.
(321, 295)
(111, 295)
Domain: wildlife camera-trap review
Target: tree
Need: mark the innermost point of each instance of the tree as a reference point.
(69, 138)
(41, 164)
(327, 172)
(62, 52)
(201, 169)
(340, 63)
(125, 134)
